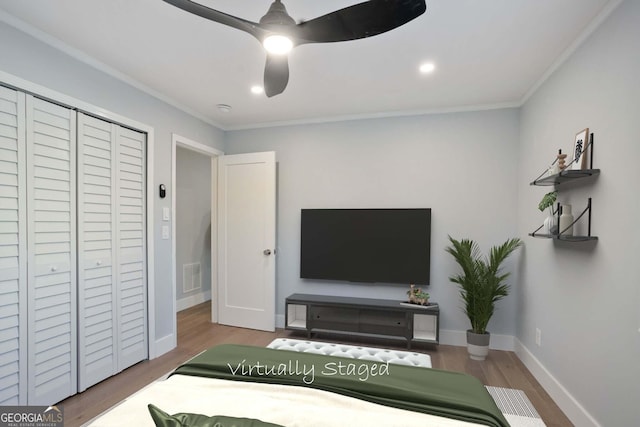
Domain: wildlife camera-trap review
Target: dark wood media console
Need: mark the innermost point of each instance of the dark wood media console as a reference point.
(362, 316)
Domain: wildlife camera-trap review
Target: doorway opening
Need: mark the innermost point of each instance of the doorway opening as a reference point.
(193, 225)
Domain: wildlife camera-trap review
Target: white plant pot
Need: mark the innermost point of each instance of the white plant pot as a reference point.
(478, 345)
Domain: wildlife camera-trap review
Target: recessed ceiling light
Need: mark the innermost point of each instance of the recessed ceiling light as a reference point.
(427, 67)
(224, 108)
(257, 89)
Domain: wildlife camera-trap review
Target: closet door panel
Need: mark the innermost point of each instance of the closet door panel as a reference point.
(131, 247)
(97, 309)
(52, 360)
(13, 250)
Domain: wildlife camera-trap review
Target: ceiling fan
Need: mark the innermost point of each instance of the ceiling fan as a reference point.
(279, 33)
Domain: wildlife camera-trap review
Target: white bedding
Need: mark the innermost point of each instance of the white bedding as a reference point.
(286, 405)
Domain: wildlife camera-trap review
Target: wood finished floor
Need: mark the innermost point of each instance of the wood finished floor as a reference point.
(196, 333)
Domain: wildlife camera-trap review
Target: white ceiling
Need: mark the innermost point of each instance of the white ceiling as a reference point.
(488, 54)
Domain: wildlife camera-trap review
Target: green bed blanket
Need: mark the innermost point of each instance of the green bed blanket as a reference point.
(432, 391)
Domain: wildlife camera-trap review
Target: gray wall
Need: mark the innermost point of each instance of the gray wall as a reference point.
(460, 165)
(37, 62)
(193, 217)
(585, 298)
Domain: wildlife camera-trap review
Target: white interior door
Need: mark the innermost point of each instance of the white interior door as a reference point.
(246, 240)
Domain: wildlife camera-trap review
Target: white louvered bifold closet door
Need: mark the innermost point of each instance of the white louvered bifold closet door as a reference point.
(111, 248)
(96, 251)
(51, 209)
(13, 250)
(131, 247)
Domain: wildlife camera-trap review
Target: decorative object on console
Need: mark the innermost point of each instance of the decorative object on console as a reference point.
(550, 223)
(417, 296)
(566, 221)
(580, 145)
(482, 284)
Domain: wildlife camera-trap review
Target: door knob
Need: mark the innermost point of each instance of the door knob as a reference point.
(267, 252)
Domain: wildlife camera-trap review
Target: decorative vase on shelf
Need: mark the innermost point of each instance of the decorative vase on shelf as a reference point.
(551, 223)
(566, 220)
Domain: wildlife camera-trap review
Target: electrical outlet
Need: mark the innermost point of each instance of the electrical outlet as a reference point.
(538, 337)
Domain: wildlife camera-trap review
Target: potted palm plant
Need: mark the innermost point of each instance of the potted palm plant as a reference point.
(482, 283)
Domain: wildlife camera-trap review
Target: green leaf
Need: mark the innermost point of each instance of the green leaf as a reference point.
(548, 200)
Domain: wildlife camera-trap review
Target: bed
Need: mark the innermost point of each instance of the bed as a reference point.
(306, 389)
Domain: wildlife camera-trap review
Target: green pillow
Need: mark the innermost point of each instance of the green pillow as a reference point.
(162, 419)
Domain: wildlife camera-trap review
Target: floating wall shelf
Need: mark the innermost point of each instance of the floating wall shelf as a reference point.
(568, 175)
(565, 237)
(565, 176)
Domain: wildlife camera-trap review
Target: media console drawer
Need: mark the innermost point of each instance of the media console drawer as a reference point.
(319, 312)
(392, 323)
(362, 316)
(332, 318)
(374, 317)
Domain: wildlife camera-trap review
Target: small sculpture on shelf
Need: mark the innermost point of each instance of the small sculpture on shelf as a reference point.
(561, 158)
(417, 296)
(558, 165)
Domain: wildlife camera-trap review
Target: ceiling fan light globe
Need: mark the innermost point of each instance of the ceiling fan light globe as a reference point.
(427, 67)
(277, 44)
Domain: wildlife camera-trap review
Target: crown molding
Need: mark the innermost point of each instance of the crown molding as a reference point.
(87, 59)
(570, 50)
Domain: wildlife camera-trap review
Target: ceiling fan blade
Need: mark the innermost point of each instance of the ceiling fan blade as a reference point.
(359, 21)
(276, 74)
(232, 21)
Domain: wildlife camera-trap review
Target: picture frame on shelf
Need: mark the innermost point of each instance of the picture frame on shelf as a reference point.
(580, 145)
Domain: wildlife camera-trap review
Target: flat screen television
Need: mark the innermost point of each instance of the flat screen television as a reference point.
(366, 245)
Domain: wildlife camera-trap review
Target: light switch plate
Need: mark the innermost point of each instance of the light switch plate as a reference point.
(166, 214)
(165, 232)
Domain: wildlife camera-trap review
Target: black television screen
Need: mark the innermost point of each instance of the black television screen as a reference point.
(366, 245)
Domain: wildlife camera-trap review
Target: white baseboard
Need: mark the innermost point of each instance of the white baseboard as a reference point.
(560, 395)
(164, 345)
(459, 338)
(191, 300)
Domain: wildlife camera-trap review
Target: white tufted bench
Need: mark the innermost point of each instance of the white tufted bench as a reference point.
(353, 352)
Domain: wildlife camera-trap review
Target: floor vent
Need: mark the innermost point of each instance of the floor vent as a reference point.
(511, 401)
